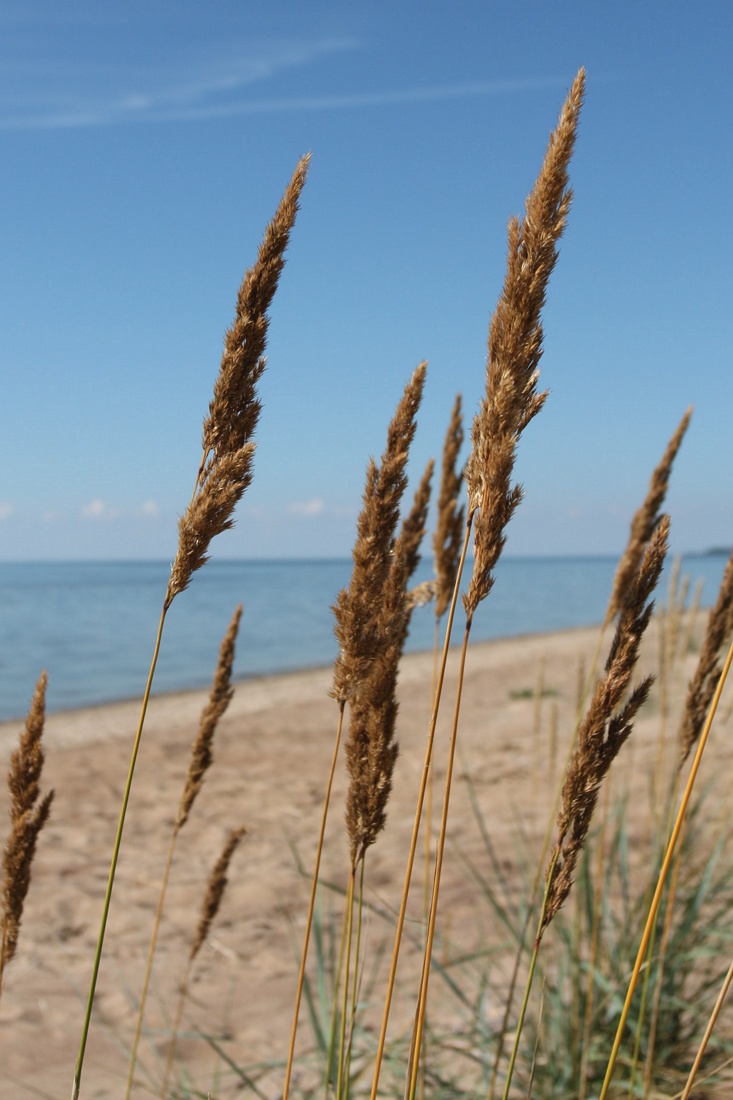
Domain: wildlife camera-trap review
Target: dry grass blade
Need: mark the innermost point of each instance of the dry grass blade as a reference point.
(226, 469)
(27, 818)
(645, 521)
(606, 726)
(371, 750)
(448, 537)
(219, 699)
(514, 352)
(707, 673)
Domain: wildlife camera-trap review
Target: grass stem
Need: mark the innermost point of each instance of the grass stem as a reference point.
(651, 916)
(76, 1085)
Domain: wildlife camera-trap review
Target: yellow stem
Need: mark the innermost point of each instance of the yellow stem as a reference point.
(149, 964)
(311, 906)
(418, 814)
(423, 997)
(663, 874)
(76, 1085)
(708, 1032)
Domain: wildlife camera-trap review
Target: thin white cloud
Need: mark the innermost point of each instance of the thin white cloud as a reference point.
(6, 510)
(95, 509)
(183, 86)
(150, 508)
(84, 97)
(314, 507)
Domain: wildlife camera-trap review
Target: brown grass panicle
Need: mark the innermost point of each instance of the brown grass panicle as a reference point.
(27, 817)
(451, 519)
(606, 726)
(514, 351)
(210, 907)
(704, 681)
(371, 751)
(219, 699)
(645, 521)
(215, 890)
(357, 626)
(226, 467)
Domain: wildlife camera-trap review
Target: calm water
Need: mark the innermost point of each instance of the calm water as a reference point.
(92, 625)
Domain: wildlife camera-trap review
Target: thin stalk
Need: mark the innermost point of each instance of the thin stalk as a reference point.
(594, 938)
(651, 917)
(667, 927)
(176, 1029)
(708, 1032)
(423, 997)
(357, 978)
(149, 964)
(584, 690)
(528, 986)
(347, 963)
(334, 1011)
(428, 840)
(76, 1085)
(312, 905)
(418, 814)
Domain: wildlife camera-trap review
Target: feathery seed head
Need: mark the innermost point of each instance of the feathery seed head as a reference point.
(645, 520)
(226, 468)
(219, 699)
(27, 818)
(606, 725)
(514, 351)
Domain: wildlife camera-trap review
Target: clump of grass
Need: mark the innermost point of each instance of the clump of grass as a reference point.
(28, 816)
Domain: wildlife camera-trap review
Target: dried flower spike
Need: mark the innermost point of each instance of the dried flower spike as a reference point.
(27, 818)
(514, 352)
(219, 699)
(226, 470)
(356, 608)
(607, 724)
(645, 520)
(702, 685)
(448, 537)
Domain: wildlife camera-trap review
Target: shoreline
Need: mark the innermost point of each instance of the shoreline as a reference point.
(252, 694)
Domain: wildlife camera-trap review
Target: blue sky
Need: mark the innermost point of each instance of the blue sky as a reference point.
(146, 145)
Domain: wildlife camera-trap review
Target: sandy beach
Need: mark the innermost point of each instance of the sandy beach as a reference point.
(272, 755)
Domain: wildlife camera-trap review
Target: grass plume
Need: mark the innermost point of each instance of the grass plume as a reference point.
(515, 350)
(226, 469)
(451, 521)
(27, 818)
(370, 628)
(703, 683)
(645, 520)
(606, 726)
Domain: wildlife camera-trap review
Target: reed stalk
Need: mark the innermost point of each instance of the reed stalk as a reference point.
(201, 759)
(671, 846)
(224, 473)
(510, 403)
(607, 725)
(211, 904)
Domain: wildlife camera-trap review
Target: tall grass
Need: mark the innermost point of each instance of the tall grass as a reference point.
(584, 896)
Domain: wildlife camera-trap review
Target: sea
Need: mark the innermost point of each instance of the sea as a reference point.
(92, 625)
